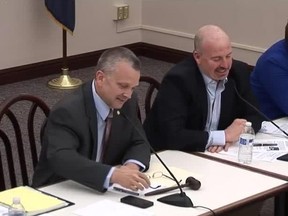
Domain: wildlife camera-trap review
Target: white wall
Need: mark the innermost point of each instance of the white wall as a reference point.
(253, 25)
(28, 35)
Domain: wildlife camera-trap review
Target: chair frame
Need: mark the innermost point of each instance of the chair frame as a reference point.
(153, 85)
(5, 110)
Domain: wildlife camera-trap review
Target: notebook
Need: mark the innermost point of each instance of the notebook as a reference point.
(33, 200)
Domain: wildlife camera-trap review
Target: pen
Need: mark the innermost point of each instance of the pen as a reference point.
(270, 144)
(126, 191)
(162, 190)
(265, 144)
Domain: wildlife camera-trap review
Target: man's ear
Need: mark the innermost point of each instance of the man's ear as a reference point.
(196, 56)
(99, 75)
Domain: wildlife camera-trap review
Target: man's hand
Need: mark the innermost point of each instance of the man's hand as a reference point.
(215, 148)
(132, 166)
(218, 148)
(234, 130)
(232, 134)
(130, 178)
(227, 145)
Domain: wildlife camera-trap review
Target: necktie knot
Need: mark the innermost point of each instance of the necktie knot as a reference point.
(110, 115)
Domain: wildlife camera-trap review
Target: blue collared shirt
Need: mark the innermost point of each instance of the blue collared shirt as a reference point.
(103, 110)
(214, 90)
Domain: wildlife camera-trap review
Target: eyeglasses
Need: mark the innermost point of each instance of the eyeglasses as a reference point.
(159, 174)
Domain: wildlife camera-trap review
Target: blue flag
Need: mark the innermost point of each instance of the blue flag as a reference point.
(63, 11)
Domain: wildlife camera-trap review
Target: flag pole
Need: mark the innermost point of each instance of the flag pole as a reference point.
(64, 81)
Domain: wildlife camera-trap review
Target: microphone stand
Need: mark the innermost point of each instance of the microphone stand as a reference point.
(164, 190)
(259, 112)
(178, 199)
(265, 117)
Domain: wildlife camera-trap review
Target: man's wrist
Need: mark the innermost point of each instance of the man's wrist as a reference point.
(132, 166)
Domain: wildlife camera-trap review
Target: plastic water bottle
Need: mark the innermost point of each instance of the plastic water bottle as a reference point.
(246, 144)
(16, 209)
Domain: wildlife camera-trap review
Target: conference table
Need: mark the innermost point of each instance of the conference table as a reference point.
(275, 168)
(224, 188)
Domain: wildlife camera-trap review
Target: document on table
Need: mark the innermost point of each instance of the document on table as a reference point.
(33, 200)
(3, 210)
(269, 128)
(268, 145)
(111, 208)
(263, 149)
(158, 178)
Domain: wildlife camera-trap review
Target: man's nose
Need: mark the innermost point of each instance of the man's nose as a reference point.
(128, 93)
(225, 63)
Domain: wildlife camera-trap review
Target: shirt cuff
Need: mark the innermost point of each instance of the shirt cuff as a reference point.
(108, 177)
(216, 138)
(142, 166)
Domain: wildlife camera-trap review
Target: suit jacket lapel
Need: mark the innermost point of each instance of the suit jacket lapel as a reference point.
(226, 97)
(202, 97)
(91, 114)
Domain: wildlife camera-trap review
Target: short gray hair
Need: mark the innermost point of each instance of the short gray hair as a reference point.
(111, 57)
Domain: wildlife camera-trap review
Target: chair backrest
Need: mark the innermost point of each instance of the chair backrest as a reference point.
(21, 142)
(148, 90)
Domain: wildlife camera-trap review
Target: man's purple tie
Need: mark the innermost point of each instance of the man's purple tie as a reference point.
(106, 134)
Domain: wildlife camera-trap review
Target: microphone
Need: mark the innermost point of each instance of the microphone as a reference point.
(258, 111)
(191, 182)
(181, 199)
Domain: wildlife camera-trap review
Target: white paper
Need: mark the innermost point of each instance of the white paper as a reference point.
(264, 149)
(268, 145)
(111, 208)
(267, 156)
(3, 210)
(115, 188)
(157, 183)
(269, 128)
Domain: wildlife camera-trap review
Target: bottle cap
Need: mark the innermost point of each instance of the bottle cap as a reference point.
(248, 124)
(16, 200)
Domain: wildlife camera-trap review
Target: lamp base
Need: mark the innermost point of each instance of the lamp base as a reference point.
(64, 81)
(177, 200)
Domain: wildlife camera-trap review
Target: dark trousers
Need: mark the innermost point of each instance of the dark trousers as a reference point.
(281, 204)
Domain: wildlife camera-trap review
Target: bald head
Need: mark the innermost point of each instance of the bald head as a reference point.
(213, 52)
(209, 34)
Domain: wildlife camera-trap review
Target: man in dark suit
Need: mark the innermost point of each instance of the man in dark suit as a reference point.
(72, 143)
(197, 106)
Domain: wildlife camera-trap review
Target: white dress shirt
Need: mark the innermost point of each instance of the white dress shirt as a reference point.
(214, 90)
